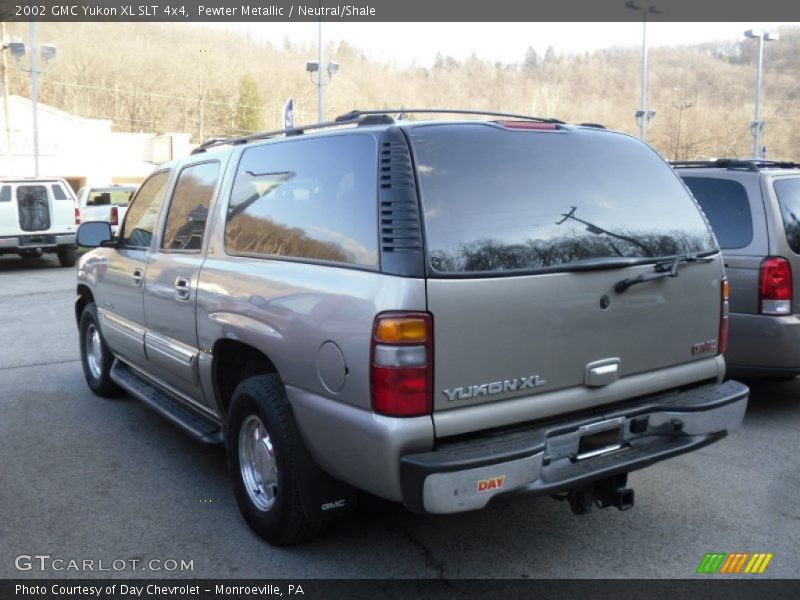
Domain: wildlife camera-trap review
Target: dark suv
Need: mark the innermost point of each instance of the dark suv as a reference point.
(441, 313)
(754, 209)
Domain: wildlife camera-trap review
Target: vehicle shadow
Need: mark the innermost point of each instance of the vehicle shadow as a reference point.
(17, 263)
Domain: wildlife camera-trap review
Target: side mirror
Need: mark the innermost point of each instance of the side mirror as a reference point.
(94, 234)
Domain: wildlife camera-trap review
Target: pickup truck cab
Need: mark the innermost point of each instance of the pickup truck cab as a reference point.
(38, 216)
(445, 314)
(105, 204)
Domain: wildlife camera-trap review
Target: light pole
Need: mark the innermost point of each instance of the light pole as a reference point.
(643, 115)
(48, 53)
(757, 126)
(315, 66)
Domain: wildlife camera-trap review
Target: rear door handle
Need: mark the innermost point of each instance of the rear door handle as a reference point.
(182, 289)
(137, 277)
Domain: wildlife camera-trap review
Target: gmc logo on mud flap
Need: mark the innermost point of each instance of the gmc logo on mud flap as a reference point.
(333, 505)
(703, 347)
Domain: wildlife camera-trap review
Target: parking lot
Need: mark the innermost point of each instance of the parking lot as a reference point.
(87, 478)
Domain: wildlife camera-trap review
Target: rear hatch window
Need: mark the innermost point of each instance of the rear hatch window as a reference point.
(788, 192)
(109, 197)
(497, 200)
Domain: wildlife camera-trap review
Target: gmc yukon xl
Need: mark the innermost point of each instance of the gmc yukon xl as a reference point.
(443, 313)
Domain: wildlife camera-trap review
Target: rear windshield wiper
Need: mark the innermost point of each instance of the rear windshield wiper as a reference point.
(661, 269)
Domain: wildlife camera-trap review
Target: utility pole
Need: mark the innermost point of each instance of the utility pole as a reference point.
(7, 116)
(321, 84)
(34, 96)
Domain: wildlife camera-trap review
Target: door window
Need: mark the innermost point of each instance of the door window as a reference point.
(140, 221)
(188, 212)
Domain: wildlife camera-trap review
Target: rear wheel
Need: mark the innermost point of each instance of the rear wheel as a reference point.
(264, 449)
(96, 358)
(67, 256)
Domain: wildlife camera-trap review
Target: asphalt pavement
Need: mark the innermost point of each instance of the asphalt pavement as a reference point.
(83, 478)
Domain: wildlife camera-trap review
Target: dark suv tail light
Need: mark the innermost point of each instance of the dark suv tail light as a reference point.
(114, 215)
(401, 372)
(722, 340)
(775, 287)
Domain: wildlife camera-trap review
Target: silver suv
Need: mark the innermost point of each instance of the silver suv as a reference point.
(754, 209)
(441, 313)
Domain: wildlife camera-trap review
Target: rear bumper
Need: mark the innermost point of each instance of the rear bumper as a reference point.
(35, 240)
(467, 475)
(763, 345)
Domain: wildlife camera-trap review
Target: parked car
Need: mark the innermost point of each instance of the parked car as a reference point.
(753, 207)
(38, 216)
(445, 314)
(105, 203)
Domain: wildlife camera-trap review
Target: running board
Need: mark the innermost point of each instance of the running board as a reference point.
(203, 429)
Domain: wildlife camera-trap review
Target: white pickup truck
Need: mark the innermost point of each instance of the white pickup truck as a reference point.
(105, 203)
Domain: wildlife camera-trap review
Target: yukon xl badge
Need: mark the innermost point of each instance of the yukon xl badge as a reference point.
(496, 387)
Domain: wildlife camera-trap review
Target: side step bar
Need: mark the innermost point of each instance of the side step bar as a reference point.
(203, 429)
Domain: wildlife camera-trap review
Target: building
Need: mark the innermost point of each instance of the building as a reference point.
(82, 151)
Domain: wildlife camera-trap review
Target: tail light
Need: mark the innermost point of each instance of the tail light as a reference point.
(402, 364)
(722, 339)
(775, 287)
(114, 215)
(77, 216)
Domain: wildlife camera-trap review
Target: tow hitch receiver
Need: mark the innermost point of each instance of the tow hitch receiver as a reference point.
(605, 493)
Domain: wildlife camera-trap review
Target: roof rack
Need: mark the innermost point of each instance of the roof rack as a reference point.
(747, 164)
(360, 118)
(441, 111)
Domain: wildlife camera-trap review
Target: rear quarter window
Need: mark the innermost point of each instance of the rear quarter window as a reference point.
(313, 199)
(5, 193)
(788, 192)
(727, 208)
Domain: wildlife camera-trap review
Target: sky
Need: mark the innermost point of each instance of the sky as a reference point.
(407, 43)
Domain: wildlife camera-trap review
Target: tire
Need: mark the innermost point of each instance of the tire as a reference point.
(96, 358)
(67, 257)
(273, 508)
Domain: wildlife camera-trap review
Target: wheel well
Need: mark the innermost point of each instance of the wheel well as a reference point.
(233, 363)
(84, 298)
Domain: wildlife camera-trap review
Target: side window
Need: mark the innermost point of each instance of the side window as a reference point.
(788, 192)
(726, 205)
(314, 199)
(140, 221)
(188, 211)
(5, 193)
(58, 192)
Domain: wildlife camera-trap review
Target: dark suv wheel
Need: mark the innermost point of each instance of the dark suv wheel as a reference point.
(68, 256)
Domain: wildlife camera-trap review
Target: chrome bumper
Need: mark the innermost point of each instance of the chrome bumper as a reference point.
(467, 475)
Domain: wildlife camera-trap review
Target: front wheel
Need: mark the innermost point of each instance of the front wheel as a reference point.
(96, 358)
(264, 450)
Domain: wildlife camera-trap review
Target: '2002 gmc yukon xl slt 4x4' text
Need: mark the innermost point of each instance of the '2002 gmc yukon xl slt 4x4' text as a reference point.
(440, 313)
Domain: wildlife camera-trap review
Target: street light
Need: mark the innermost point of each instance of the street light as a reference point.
(315, 66)
(757, 126)
(643, 115)
(48, 53)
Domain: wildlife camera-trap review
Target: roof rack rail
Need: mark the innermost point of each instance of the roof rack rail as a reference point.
(360, 118)
(288, 132)
(442, 111)
(748, 164)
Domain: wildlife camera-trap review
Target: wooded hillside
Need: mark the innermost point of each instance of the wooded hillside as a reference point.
(169, 77)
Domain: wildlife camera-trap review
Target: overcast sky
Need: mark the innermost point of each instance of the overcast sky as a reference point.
(404, 43)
